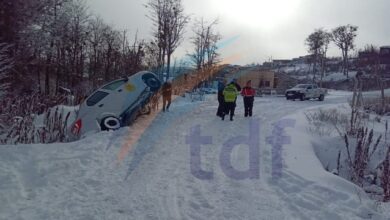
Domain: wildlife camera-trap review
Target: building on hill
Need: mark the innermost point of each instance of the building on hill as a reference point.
(262, 78)
(334, 64)
(384, 54)
(302, 60)
(368, 59)
(277, 63)
(372, 57)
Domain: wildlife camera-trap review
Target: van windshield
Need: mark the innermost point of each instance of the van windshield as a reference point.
(96, 97)
(301, 86)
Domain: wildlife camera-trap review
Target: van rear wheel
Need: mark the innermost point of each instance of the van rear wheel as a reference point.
(110, 123)
(321, 98)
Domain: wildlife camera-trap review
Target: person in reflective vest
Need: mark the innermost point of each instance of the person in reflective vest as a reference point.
(230, 95)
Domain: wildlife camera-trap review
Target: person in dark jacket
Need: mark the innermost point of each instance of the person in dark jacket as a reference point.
(249, 97)
(238, 87)
(221, 101)
(167, 95)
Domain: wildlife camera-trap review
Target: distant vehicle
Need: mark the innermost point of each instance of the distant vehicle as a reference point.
(115, 104)
(305, 92)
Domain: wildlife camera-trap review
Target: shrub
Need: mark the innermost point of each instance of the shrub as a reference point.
(365, 149)
(375, 105)
(321, 119)
(18, 120)
(385, 177)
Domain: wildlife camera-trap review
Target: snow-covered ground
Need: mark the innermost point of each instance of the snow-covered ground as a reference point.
(300, 68)
(338, 76)
(328, 77)
(63, 110)
(300, 71)
(86, 180)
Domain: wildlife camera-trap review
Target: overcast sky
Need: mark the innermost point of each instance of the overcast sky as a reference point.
(263, 28)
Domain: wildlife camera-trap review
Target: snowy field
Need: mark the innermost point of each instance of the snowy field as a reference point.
(86, 180)
(300, 71)
(338, 76)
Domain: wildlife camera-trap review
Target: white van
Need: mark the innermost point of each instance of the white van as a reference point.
(115, 104)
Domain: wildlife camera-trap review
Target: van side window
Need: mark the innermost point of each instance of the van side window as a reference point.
(114, 85)
(96, 97)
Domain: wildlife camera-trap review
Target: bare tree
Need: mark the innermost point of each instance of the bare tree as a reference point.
(76, 40)
(323, 51)
(372, 64)
(50, 31)
(385, 178)
(344, 37)
(95, 49)
(170, 21)
(6, 65)
(132, 55)
(318, 43)
(16, 20)
(205, 41)
(15, 16)
(55, 44)
(356, 103)
(151, 59)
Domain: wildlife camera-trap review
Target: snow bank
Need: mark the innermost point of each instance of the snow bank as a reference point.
(338, 193)
(296, 68)
(338, 76)
(39, 120)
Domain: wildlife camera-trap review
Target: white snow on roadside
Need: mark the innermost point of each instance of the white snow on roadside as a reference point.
(63, 110)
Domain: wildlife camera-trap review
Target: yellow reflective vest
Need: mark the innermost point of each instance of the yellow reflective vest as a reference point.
(230, 93)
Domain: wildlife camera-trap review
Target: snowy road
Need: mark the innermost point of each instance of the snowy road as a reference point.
(84, 180)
